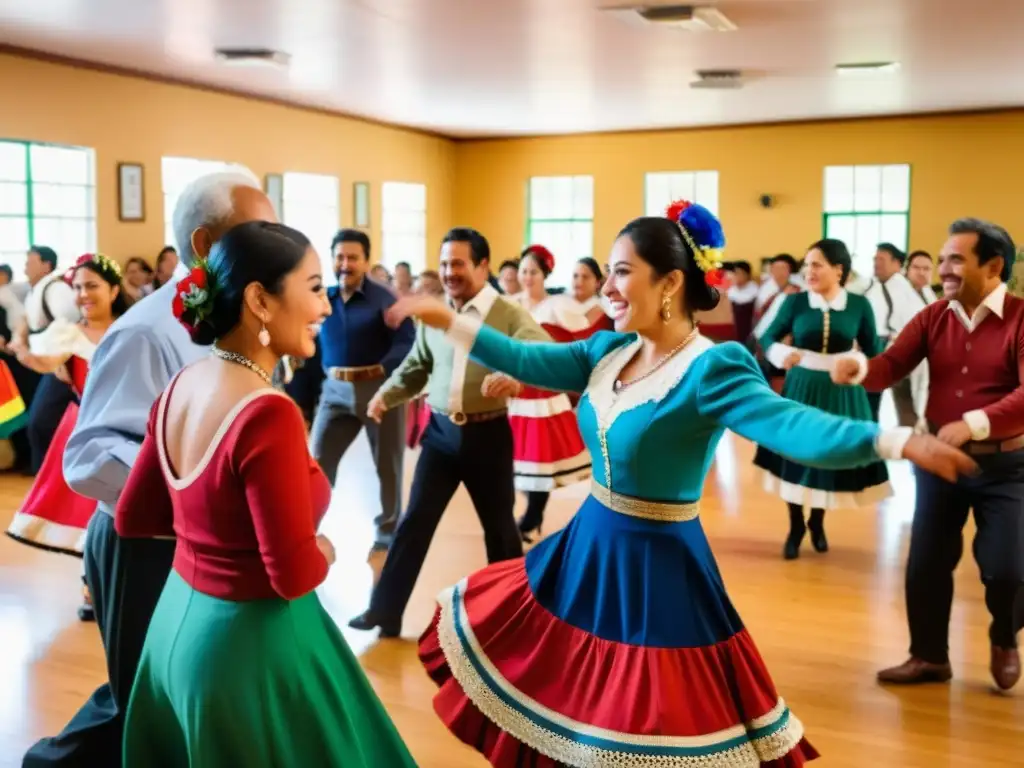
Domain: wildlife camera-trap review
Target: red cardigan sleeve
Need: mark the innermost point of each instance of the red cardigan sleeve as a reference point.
(144, 509)
(1006, 416)
(272, 463)
(900, 359)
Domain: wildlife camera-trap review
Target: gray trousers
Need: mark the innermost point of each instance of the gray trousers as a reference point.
(339, 417)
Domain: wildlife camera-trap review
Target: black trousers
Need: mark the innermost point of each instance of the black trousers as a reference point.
(936, 544)
(52, 397)
(125, 578)
(478, 455)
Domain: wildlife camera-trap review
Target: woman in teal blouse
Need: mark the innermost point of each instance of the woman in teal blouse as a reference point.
(614, 641)
(825, 322)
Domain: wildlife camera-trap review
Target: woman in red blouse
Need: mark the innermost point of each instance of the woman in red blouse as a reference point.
(242, 665)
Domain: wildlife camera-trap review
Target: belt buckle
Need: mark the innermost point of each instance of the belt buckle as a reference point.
(458, 418)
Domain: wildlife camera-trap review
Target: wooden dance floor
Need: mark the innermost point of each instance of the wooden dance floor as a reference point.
(824, 623)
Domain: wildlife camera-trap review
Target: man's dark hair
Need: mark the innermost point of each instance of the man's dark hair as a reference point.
(509, 263)
(993, 242)
(46, 254)
(6, 269)
(478, 246)
(893, 251)
(352, 236)
(785, 258)
(742, 265)
(403, 264)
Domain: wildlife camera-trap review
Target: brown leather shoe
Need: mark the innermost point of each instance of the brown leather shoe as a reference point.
(915, 670)
(1005, 667)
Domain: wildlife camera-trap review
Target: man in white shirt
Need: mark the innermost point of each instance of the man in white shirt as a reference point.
(49, 298)
(895, 302)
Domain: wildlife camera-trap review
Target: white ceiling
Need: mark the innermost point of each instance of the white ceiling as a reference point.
(524, 67)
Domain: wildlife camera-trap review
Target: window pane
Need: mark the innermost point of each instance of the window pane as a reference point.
(840, 227)
(706, 192)
(61, 200)
(896, 188)
(656, 191)
(13, 198)
(683, 187)
(866, 239)
(12, 161)
(70, 238)
(404, 224)
(63, 165)
(583, 197)
(867, 188)
(312, 188)
(839, 189)
(893, 229)
(14, 236)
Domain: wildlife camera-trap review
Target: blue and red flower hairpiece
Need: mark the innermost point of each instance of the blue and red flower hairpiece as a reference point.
(703, 233)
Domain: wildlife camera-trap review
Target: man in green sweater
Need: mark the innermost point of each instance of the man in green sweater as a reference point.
(468, 439)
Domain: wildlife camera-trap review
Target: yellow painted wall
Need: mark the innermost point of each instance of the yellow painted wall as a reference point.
(130, 119)
(960, 165)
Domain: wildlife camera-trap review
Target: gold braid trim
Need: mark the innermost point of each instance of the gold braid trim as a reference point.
(572, 753)
(659, 511)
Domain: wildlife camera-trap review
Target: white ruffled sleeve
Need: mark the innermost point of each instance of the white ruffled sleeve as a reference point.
(61, 339)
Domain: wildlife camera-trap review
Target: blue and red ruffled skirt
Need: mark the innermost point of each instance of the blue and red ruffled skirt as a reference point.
(612, 643)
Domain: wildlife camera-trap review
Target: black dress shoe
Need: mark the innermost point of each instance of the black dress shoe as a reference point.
(791, 550)
(818, 539)
(367, 621)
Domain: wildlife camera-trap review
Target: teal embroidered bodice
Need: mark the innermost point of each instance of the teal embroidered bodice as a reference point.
(656, 439)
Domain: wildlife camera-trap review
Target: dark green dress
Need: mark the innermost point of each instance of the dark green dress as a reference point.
(822, 329)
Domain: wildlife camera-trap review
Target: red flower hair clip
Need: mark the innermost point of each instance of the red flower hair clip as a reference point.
(193, 298)
(542, 255)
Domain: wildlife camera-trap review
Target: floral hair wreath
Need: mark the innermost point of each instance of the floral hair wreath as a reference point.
(193, 297)
(702, 231)
(543, 255)
(106, 266)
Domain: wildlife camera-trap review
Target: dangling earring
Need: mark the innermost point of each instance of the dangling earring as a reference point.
(666, 308)
(264, 335)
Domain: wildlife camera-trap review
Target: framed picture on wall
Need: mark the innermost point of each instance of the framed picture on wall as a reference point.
(274, 186)
(131, 204)
(361, 198)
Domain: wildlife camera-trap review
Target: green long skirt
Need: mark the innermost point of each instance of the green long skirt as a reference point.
(864, 485)
(269, 683)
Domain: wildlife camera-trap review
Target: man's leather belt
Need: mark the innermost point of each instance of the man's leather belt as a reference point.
(459, 419)
(364, 373)
(987, 448)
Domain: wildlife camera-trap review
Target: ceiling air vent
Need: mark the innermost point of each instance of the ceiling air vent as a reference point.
(718, 79)
(253, 57)
(691, 17)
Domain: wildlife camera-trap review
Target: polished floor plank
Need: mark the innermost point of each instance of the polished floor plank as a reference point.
(824, 623)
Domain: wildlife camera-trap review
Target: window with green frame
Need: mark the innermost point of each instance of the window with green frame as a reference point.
(47, 197)
(561, 218)
(866, 205)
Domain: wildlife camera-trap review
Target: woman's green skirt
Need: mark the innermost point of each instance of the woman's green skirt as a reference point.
(824, 488)
(270, 683)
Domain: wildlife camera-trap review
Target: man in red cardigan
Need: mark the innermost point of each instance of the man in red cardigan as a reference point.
(974, 343)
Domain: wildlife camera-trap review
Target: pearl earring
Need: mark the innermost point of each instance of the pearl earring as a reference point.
(264, 335)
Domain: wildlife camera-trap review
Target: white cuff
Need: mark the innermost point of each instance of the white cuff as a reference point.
(778, 353)
(890, 442)
(862, 364)
(981, 428)
(463, 331)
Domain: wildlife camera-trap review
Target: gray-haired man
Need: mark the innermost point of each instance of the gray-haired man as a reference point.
(133, 364)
